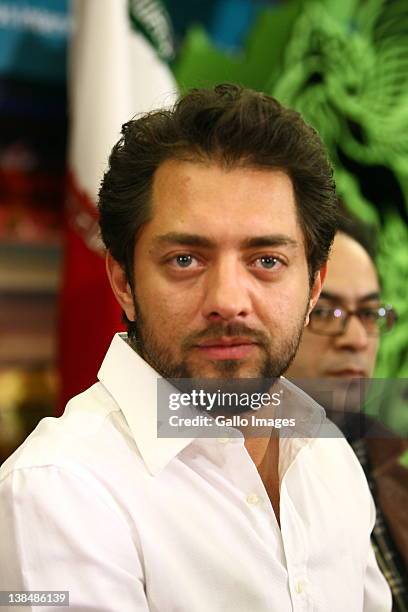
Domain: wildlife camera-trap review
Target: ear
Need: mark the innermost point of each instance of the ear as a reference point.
(316, 289)
(120, 285)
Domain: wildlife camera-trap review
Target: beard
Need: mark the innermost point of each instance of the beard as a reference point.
(276, 353)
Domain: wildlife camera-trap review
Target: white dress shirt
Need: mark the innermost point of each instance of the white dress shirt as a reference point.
(96, 504)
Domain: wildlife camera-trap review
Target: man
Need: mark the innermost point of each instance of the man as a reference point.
(341, 349)
(218, 217)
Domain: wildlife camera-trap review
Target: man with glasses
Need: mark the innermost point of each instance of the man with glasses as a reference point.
(334, 362)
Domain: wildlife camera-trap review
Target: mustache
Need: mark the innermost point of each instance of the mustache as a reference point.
(229, 330)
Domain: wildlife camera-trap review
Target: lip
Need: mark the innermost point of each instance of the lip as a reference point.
(224, 341)
(226, 348)
(348, 373)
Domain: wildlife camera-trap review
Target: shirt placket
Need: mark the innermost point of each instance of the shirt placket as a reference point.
(245, 475)
(291, 533)
(295, 542)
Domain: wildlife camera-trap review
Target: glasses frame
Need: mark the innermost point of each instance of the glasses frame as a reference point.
(390, 318)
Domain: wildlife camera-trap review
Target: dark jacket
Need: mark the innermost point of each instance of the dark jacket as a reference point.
(391, 479)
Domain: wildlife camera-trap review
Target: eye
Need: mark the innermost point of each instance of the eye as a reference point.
(183, 261)
(369, 314)
(324, 312)
(268, 262)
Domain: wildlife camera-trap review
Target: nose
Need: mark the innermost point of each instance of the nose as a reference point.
(227, 295)
(354, 337)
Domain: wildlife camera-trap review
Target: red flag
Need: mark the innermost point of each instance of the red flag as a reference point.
(115, 73)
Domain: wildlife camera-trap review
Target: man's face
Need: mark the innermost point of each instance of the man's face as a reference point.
(220, 273)
(351, 282)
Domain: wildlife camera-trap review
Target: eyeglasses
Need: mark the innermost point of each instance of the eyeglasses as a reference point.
(332, 320)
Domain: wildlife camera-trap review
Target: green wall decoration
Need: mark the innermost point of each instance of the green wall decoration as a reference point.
(344, 66)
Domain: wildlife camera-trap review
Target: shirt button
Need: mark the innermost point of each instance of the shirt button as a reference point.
(223, 440)
(299, 587)
(253, 499)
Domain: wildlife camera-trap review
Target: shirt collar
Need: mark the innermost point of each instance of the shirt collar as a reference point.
(132, 382)
(310, 420)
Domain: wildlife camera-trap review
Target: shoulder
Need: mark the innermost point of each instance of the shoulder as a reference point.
(91, 423)
(335, 459)
(331, 446)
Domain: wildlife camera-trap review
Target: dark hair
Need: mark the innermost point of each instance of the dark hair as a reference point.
(232, 126)
(365, 234)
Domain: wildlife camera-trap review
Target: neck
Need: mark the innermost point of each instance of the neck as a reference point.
(264, 452)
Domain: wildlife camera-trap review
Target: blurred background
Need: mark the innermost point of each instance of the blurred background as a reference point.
(71, 73)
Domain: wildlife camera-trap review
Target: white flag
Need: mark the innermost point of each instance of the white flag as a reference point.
(115, 72)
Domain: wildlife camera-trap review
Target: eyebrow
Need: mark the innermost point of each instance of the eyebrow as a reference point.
(335, 297)
(201, 241)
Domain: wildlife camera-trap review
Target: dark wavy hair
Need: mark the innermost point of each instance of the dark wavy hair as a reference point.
(232, 126)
